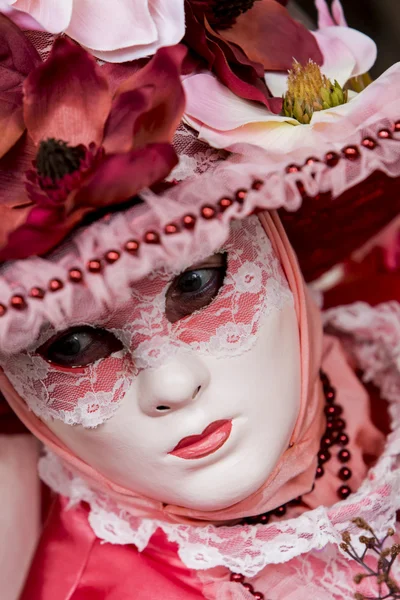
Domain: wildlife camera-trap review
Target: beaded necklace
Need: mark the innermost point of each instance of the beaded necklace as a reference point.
(334, 435)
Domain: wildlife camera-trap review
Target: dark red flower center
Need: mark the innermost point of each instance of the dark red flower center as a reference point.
(222, 14)
(56, 159)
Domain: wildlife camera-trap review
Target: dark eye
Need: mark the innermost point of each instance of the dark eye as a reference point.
(79, 347)
(195, 288)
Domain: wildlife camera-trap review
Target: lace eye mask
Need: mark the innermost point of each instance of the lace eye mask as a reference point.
(254, 285)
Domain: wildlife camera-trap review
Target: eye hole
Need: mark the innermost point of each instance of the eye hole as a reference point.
(195, 288)
(80, 347)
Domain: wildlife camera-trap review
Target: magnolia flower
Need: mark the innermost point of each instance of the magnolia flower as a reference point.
(114, 31)
(223, 120)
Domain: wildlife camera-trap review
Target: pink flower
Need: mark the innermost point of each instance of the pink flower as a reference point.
(95, 148)
(223, 120)
(115, 31)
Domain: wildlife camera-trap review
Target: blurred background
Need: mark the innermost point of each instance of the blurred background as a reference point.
(380, 19)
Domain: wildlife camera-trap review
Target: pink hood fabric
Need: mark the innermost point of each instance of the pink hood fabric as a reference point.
(295, 472)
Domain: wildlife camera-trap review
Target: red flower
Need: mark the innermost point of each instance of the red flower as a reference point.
(94, 148)
(240, 40)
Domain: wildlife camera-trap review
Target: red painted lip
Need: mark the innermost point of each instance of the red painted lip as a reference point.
(197, 446)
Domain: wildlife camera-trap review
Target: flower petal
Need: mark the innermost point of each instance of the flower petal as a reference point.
(269, 35)
(122, 176)
(224, 121)
(13, 167)
(67, 97)
(105, 25)
(17, 58)
(132, 30)
(156, 122)
(214, 105)
(338, 13)
(343, 48)
(126, 110)
(53, 15)
(22, 19)
(325, 18)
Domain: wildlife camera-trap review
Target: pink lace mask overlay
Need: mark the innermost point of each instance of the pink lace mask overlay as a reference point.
(254, 285)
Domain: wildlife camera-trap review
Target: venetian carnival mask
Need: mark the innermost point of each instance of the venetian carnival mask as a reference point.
(176, 393)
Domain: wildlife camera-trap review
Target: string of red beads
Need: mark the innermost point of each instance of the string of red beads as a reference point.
(188, 221)
(334, 435)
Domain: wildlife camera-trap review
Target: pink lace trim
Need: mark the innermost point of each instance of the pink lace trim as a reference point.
(373, 337)
(191, 218)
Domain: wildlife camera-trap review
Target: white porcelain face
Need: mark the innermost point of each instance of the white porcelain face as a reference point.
(188, 394)
(258, 392)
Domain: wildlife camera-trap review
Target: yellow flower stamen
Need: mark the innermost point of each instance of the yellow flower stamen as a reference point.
(310, 91)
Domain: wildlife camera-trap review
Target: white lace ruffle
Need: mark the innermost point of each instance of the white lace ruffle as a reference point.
(373, 337)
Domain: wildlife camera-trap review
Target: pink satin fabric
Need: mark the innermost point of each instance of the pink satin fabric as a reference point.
(294, 473)
(72, 564)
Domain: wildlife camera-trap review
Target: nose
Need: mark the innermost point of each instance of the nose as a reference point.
(173, 385)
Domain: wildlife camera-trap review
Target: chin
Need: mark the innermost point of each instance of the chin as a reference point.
(218, 491)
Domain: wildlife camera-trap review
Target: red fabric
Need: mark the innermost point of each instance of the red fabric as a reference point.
(9, 422)
(72, 564)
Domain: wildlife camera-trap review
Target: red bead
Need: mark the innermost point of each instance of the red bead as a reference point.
(293, 169)
(326, 441)
(257, 185)
(339, 424)
(312, 160)
(55, 285)
(330, 411)
(241, 196)
(280, 511)
(94, 266)
(189, 221)
(345, 473)
(237, 577)
(18, 302)
(397, 126)
(224, 203)
(351, 152)
(112, 256)
(37, 292)
(343, 439)
(385, 134)
(344, 492)
(151, 237)
(171, 228)
(333, 410)
(332, 159)
(330, 395)
(258, 595)
(248, 587)
(132, 246)
(319, 472)
(208, 212)
(344, 455)
(75, 275)
(264, 519)
(324, 456)
(296, 501)
(329, 427)
(3, 310)
(369, 143)
(324, 377)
